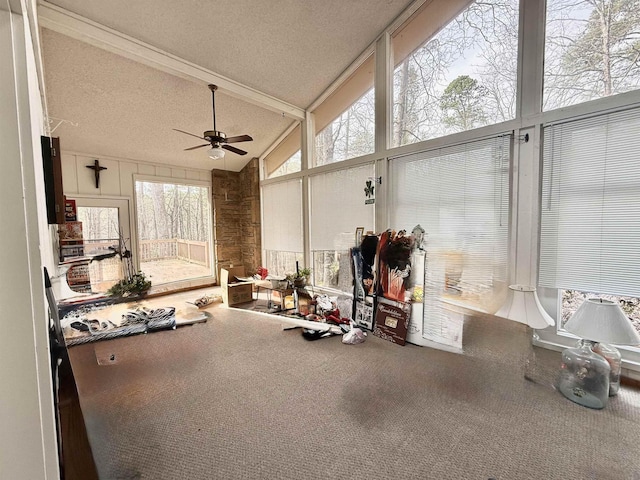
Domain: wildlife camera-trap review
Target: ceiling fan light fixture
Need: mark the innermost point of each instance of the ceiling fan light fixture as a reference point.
(216, 153)
(217, 139)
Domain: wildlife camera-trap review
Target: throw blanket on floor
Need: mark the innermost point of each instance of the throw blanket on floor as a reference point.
(79, 329)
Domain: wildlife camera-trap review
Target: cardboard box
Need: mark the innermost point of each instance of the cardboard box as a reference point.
(234, 291)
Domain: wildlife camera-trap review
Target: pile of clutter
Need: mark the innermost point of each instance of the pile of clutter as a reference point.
(323, 319)
(388, 272)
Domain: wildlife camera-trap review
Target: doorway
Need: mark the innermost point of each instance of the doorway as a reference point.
(105, 226)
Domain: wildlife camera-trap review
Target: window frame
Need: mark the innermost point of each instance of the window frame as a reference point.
(526, 165)
(543, 52)
(556, 338)
(299, 256)
(424, 26)
(186, 283)
(358, 83)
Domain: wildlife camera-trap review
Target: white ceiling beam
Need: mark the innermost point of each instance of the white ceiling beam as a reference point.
(75, 26)
(13, 6)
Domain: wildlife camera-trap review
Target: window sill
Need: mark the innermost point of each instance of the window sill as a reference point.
(180, 286)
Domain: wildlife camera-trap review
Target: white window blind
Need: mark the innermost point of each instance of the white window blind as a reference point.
(282, 216)
(460, 196)
(338, 207)
(590, 211)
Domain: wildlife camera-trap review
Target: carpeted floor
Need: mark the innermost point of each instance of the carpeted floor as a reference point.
(239, 398)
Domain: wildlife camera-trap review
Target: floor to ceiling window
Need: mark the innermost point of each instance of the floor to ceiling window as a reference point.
(459, 196)
(506, 130)
(591, 212)
(174, 231)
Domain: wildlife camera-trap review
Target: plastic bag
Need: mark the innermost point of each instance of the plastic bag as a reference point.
(354, 336)
(324, 302)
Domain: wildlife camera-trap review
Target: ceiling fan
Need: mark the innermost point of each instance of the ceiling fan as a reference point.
(217, 140)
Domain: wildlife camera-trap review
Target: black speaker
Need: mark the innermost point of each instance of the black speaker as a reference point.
(52, 166)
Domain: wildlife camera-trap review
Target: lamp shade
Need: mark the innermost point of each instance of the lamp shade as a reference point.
(603, 321)
(216, 153)
(523, 306)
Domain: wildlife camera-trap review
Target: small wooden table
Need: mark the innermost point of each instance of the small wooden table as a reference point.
(303, 297)
(269, 289)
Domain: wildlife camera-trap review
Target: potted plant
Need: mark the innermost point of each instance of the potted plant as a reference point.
(299, 279)
(135, 285)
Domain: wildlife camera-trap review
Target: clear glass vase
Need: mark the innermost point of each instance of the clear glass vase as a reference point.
(612, 355)
(584, 376)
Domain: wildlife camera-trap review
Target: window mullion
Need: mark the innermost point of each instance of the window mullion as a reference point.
(530, 57)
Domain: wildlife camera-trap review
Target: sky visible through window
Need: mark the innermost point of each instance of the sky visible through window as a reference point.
(462, 78)
(592, 50)
(293, 164)
(350, 135)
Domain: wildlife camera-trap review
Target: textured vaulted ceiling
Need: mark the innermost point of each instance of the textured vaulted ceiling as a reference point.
(289, 49)
(128, 110)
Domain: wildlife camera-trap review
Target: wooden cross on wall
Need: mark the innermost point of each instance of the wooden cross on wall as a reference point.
(96, 168)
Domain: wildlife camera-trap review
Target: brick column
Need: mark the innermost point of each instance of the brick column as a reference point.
(236, 217)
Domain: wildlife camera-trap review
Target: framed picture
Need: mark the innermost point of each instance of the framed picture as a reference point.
(359, 234)
(70, 212)
(392, 321)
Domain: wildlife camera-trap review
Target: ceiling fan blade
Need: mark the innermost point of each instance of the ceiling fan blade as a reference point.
(234, 149)
(187, 133)
(239, 138)
(197, 146)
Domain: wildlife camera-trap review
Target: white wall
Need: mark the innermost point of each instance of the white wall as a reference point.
(28, 439)
(117, 180)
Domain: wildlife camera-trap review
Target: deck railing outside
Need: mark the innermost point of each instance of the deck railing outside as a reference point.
(189, 250)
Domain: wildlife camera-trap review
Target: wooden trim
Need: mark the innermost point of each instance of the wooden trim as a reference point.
(77, 459)
(630, 382)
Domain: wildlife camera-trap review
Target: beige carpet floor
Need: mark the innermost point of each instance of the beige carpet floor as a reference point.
(239, 398)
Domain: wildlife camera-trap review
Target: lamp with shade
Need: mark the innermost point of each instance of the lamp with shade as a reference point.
(590, 372)
(523, 305)
(216, 152)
